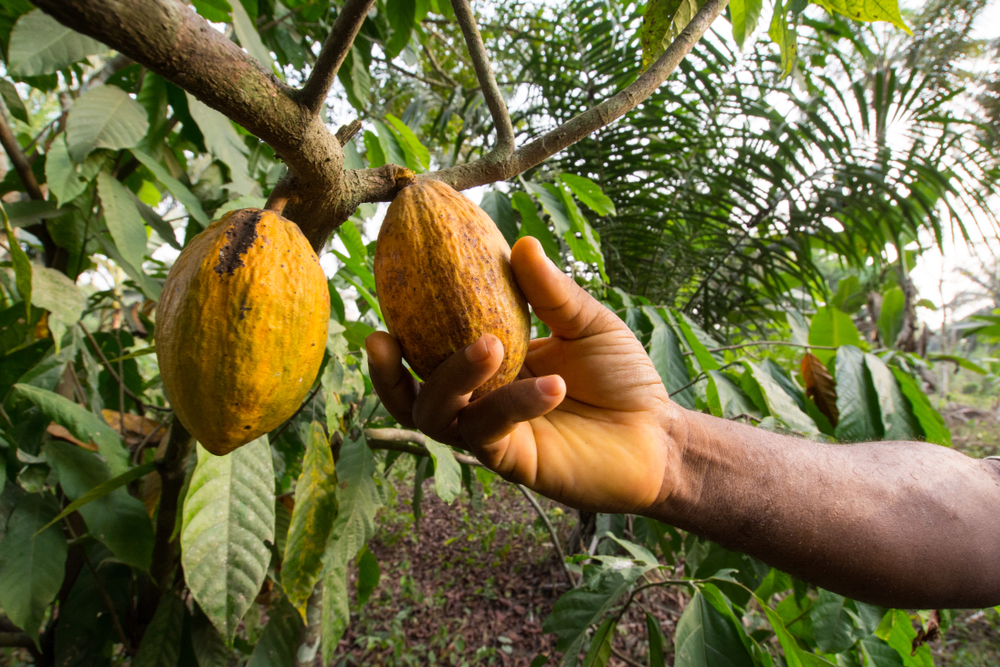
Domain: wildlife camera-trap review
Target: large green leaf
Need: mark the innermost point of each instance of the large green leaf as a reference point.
(898, 422)
(831, 327)
(249, 38)
(312, 520)
(665, 353)
(123, 220)
(901, 637)
(745, 16)
(400, 14)
(59, 295)
(726, 399)
(867, 10)
(161, 642)
(209, 646)
(890, 319)
(13, 101)
(277, 645)
(116, 519)
(228, 515)
(176, 188)
(31, 562)
(447, 472)
(706, 638)
(831, 623)
(655, 641)
(931, 421)
(418, 158)
(41, 45)
(60, 173)
(532, 225)
(857, 401)
(779, 403)
(600, 644)
(82, 424)
(698, 342)
(589, 193)
(794, 655)
(223, 141)
(359, 495)
(497, 206)
(104, 117)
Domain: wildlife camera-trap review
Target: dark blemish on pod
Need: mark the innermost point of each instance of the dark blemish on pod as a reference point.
(240, 236)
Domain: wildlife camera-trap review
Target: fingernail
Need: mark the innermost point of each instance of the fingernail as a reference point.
(550, 385)
(478, 351)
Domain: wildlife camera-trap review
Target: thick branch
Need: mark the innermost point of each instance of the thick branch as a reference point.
(335, 49)
(18, 159)
(487, 82)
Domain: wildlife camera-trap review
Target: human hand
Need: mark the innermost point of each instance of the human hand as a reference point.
(588, 422)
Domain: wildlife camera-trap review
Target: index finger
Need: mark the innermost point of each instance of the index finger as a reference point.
(393, 383)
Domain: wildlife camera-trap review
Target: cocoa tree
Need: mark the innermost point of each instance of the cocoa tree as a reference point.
(104, 167)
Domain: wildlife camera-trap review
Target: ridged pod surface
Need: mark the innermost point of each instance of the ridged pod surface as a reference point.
(241, 328)
(443, 276)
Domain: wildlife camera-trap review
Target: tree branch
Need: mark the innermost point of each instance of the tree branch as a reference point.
(487, 82)
(16, 640)
(18, 159)
(396, 439)
(335, 49)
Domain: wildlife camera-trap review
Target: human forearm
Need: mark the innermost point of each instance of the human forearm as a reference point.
(899, 524)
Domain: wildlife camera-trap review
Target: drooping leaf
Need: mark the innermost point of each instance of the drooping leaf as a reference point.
(122, 217)
(31, 562)
(246, 33)
(890, 319)
(150, 287)
(176, 188)
(418, 158)
(820, 387)
(104, 117)
(857, 401)
(391, 147)
(312, 519)
(697, 344)
(706, 638)
(84, 425)
(745, 16)
(22, 265)
(901, 637)
(832, 327)
(277, 645)
(497, 205)
(401, 14)
(589, 193)
(447, 472)
(794, 655)
(161, 642)
(898, 422)
(209, 646)
(785, 36)
(41, 45)
(223, 142)
(355, 77)
(727, 400)
(532, 225)
(655, 641)
(60, 172)
(658, 28)
(115, 518)
(665, 353)
(228, 515)
(13, 101)
(369, 574)
(600, 644)
(59, 295)
(104, 488)
(931, 421)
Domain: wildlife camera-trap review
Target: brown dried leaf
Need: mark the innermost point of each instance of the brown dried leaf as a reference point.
(820, 387)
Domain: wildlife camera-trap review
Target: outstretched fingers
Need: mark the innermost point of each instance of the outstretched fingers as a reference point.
(556, 299)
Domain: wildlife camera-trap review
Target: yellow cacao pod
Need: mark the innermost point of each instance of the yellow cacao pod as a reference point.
(443, 276)
(241, 328)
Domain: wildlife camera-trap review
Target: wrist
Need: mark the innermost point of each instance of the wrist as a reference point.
(687, 466)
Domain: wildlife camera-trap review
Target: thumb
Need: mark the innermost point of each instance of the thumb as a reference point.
(568, 310)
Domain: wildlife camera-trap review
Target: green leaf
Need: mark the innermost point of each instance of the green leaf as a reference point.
(418, 158)
(249, 38)
(376, 156)
(104, 117)
(216, 11)
(22, 265)
(794, 656)
(867, 10)
(668, 360)
(898, 422)
(123, 220)
(589, 193)
(532, 225)
(779, 403)
(706, 638)
(223, 141)
(387, 141)
(400, 14)
(960, 361)
(890, 319)
(277, 645)
(312, 520)
(931, 421)
(150, 287)
(369, 574)
(497, 206)
(59, 295)
(41, 45)
(228, 515)
(84, 425)
(357, 82)
(831, 327)
(831, 623)
(175, 187)
(115, 518)
(655, 641)
(785, 36)
(209, 647)
(695, 342)
(104, 488)
(359, 495)
(583, 241)
(856, 398)
(600, 645)
(727, 400)
(60, 172)
(13, 102)
(657, 28)
(31, 565)
(901, 638)
(447, 472)
(161, 642)
(878, 653)
(745, 16)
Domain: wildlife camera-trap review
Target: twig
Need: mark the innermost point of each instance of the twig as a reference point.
(437, 68)
(18, 159)
(137, 456)
(347, 132)
(270, 24)
(116, 377)
(396, 439)
(414, 75)
(624, 658)
(552, 532)
(487, 82)
(338, 44)
(766, 342)
(302, 407)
